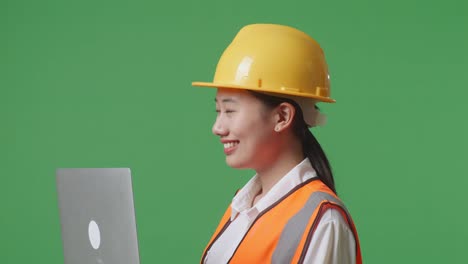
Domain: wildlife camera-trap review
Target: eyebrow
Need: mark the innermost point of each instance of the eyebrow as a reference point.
(227, 100)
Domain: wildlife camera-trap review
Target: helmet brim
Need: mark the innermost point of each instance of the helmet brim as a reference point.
(263, 89)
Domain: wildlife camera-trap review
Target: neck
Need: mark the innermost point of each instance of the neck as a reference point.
(284, 161)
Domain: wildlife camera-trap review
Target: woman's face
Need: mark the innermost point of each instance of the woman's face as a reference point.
(246, 129)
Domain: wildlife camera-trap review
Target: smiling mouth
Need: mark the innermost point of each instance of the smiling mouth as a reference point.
(230, 144)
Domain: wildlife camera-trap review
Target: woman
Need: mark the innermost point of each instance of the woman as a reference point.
(269, 80)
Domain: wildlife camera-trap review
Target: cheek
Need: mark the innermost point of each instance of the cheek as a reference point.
(242, 124)
(255, 131)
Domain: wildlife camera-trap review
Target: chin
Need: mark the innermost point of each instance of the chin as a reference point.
(234, 163)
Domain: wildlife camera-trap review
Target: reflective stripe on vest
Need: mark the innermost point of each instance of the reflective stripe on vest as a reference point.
(296, 227)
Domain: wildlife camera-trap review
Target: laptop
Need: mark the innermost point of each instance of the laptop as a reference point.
(97, 216)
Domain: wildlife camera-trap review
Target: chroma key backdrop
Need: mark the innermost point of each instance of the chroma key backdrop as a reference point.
(108, 84)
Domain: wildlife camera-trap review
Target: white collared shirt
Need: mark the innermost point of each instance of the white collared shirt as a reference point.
(333, 241)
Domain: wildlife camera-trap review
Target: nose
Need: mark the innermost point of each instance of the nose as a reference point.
(219, 129)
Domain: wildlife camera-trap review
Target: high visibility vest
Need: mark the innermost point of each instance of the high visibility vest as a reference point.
(282, 232)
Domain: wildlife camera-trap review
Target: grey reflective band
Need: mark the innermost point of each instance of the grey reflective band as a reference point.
(296, 227)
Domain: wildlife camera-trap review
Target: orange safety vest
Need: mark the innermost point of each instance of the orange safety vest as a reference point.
(282, 232)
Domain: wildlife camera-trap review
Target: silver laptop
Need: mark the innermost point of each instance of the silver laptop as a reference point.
(97, 216)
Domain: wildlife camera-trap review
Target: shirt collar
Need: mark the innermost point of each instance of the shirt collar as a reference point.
(243, 199)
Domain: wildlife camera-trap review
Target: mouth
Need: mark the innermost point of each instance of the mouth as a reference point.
(230, 146)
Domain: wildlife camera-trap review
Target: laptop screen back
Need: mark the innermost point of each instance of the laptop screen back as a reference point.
(97, 216)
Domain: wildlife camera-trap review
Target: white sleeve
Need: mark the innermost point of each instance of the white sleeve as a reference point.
(333, 241)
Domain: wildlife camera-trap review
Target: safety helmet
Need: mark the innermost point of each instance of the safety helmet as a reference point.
(274, 59)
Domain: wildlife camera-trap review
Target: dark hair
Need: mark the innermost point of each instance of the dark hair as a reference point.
(310, 146)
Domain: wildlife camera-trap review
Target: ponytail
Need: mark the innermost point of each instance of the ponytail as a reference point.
(312, 150)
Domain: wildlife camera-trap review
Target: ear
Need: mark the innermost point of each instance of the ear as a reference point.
(284, 116)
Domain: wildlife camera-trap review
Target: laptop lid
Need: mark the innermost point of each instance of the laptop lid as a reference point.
(97, 216)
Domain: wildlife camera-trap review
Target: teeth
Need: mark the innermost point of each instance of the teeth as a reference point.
(230, 145)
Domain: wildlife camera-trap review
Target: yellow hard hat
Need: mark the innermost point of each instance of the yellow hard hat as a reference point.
(275, 59)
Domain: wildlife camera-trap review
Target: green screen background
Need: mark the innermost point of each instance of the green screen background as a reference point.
(107, 84)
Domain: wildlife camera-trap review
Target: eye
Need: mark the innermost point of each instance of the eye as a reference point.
(229, 112)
